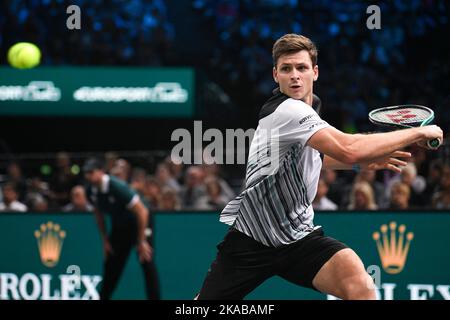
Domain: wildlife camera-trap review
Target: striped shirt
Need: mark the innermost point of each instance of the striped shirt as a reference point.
(275, 207)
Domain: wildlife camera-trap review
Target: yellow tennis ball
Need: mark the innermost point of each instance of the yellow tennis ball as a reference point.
(24, 55)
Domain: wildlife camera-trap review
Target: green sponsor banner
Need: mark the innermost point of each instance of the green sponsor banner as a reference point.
(406, 254)
(97, 91)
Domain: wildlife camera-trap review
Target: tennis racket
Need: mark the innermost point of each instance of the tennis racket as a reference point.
(405, 116)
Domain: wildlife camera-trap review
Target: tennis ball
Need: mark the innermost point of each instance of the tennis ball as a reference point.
(24, 55)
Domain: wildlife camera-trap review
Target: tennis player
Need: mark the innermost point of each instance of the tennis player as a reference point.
(272, 229)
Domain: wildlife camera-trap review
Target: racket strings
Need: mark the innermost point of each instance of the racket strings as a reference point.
(402, 116)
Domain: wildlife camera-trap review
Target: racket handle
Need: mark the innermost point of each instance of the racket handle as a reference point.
(433, 144)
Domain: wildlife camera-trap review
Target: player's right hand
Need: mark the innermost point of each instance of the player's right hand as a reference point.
(429, 133)
(107, 248)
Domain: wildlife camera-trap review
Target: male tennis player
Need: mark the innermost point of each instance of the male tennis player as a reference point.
(272, 230)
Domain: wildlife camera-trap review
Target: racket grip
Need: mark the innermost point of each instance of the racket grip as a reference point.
(433, 144)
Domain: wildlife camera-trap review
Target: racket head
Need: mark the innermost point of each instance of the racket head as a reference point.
(402, 116)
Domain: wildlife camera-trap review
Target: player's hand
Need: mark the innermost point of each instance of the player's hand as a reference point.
(145, 251)
(107, 248)
(391, 162)
(429, 133)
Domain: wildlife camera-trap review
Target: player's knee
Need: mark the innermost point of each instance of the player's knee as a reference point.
(360, 288)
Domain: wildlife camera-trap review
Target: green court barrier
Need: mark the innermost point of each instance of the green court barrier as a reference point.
(42, 254)
(97, 91)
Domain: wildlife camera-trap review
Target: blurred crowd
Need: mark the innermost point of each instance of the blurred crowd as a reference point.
(168, 186)
(132, 32)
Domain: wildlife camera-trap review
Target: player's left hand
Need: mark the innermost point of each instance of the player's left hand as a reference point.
(390, 162)
(145, 251)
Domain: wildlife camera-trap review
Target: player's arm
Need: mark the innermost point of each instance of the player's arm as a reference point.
(390, 162)
(366, 148)
(99, 217)
(100, 223)
(142, 213)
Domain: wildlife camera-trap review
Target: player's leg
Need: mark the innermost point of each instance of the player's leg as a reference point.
(344, 276)
(241, 265)
(114, 264)
(326, 265)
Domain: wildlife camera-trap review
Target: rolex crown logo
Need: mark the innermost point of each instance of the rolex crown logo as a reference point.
(393, 248)
(50, 240)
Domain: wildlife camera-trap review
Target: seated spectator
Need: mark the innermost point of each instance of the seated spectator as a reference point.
(362, 197)
(321, 202)
(379, 191)
(110, 160)
(63, 179)
(213, 171)
(165, 178)
(417, 184)
(10, 202)
(39, 204)
(152, 192)
(435, 173)
(215, 198)
(123, 169)
(335, 190)
(138, 178)
(193, 188)
(169, 200)
(400, 195)
(15, 176)
(441, 199)
(78, 201)
(37, 189)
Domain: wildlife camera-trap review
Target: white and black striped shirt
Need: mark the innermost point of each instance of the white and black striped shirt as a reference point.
(275, 207)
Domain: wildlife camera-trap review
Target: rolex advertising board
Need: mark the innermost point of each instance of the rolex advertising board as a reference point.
(59, 256)
(97, 91)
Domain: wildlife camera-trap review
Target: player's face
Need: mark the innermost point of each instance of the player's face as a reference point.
(295, 75)
(94, 177)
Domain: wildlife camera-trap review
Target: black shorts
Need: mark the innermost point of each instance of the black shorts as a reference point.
(242, 264)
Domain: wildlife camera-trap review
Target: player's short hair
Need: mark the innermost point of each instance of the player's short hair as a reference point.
(291, 43)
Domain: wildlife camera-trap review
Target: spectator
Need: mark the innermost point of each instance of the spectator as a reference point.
(37, 189)
(400, 195)
(335, 189)
(379, 191)
(193, 188)
(63, 179)
(110, 160)
(78, 201)
(215, 198)
(15, 176)
(138, 178)
(321, 202)
(169, 200)
(152, 192)
(441, 199)
(10, 202)
(417, 184)
(39, 204)
(123, 168)
(213, 171)
(165, 178)
(362, 197)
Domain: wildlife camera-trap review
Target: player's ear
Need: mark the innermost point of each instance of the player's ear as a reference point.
(316, 72)
(275, 74)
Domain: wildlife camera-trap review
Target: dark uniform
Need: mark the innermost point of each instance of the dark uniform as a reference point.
(115, 198)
